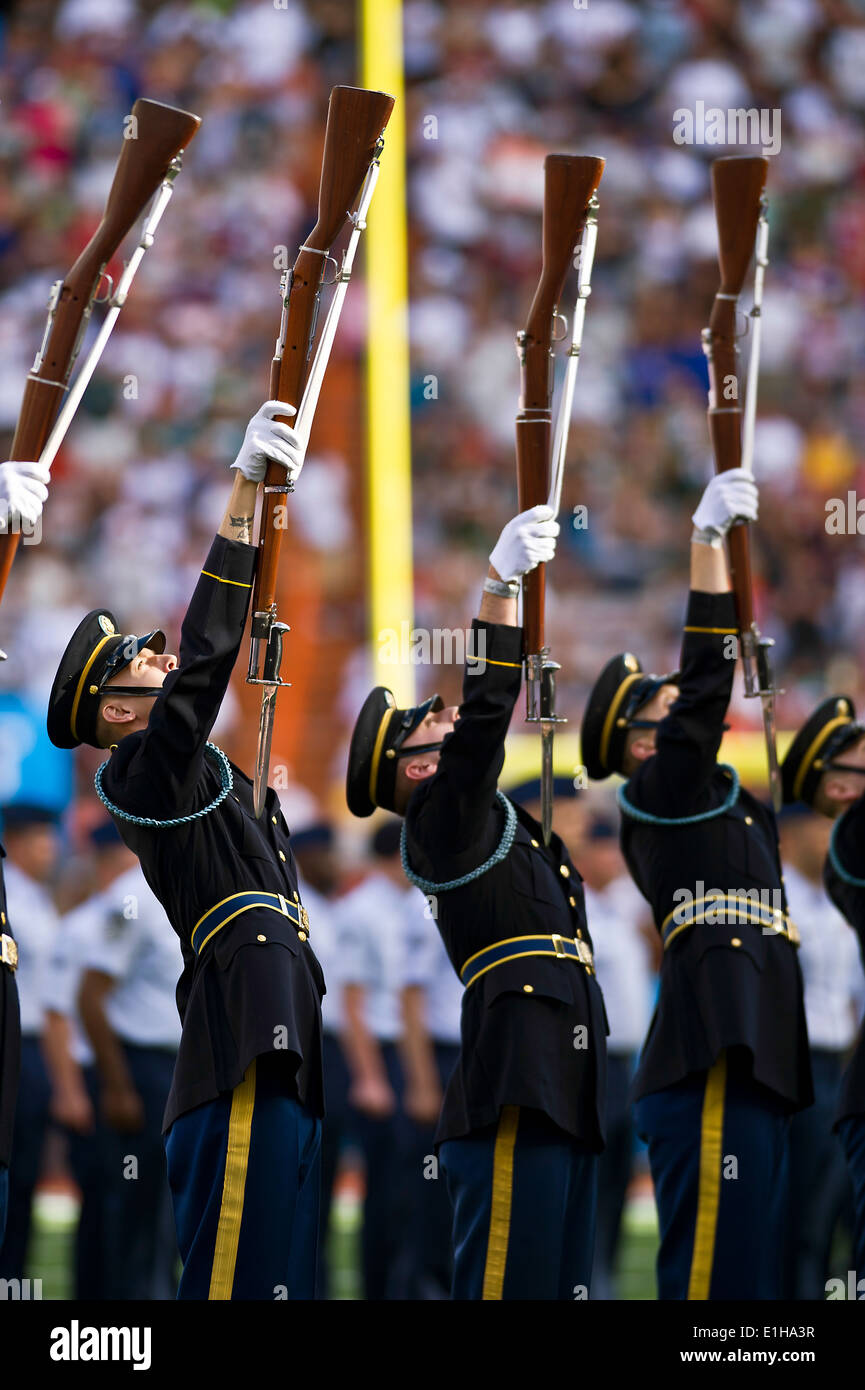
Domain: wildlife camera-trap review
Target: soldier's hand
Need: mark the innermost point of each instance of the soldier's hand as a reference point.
(423, 1103)
(528, 540)
(729, 495)
(23, 490)
(72, 1109)
(373, 1097)
(268, 439)
(123, 1109)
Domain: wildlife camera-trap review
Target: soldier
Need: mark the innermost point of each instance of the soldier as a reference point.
(726, 1057)
(126, 1000)
(521, 1121)
(820, 1192)
(825, 768)
(22, 493)
(32, 845)
(242, 1120)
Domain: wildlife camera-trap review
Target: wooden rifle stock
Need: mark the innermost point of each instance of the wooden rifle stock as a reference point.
(157, 134)
(570, 182)
(738, 182)
(355, 121)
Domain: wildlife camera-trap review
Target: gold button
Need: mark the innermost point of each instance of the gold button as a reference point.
(534, 844)
(301, 936)
(736, 941)
(528, 989)
(2, 919)
(749, 820)
(564, 871)
(273, 818)
(261, 938)
(572, 901)
(282, 857)
(579, 934)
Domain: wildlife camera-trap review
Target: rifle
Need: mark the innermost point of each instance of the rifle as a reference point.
(570, 182)
(353, 142)
(150, 160)
(738, 183)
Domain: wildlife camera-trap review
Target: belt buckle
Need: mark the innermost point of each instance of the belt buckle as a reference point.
(9, 952)
(304, 918)
(585, 955)
(559, 943)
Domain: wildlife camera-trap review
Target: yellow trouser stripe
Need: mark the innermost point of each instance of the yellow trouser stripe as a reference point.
(233, 1188)
(500, 1210)
(709, 1193)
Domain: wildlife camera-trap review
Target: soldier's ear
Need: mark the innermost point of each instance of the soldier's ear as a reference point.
(116, 712)
(643, 745)
(418, 769)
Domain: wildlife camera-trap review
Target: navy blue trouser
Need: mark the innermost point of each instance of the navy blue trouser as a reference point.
(523, 1194)
(87, 1160)
(385, 1208)
(718, 1155)
(139, 1245)
(430, 1256)
(4, 1199)
(820, 1192)
(852, 1131)
(335, 1131)
(28, 1141)
(244, 1175)
(614, 1171)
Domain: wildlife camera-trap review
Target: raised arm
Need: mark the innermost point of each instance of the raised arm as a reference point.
(689, 737)
(459, 796)
(163, 762)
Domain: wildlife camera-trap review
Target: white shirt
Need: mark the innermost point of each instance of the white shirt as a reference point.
(323, 940)
(62, 978)
(136, 945)
(829, 957)
(622, 961)
(34, 923)
(371, 944)
(428, 965)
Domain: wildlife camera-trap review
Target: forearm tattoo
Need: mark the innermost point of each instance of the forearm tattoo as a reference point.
(241, 527)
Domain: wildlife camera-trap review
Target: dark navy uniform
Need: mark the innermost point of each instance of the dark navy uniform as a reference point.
(243, 1115)
(726, 1058)
(522, 1115)
(10, 1047)
(848, 857)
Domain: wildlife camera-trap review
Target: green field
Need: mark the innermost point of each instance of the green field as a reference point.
(50, 1256)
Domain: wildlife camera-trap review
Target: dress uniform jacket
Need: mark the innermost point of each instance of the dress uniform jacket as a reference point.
(10, 1038)
(727, 982)
(519, 1019)
(256, 986)
(849, 899)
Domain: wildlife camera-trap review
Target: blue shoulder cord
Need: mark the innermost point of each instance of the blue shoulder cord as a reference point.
(647, 818)
(426, 885)
(226, 776)
(835, 861)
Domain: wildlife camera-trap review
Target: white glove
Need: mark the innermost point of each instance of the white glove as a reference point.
(23, 489)
(528, 540)
(728, 496)
(267, 439)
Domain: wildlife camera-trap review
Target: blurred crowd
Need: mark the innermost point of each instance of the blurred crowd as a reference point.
(490, 88)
